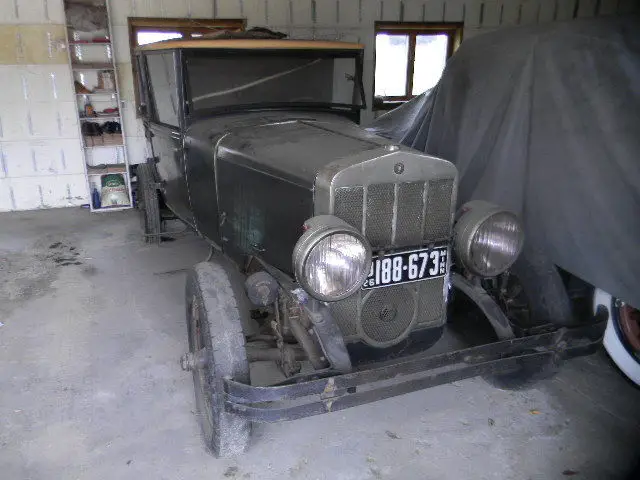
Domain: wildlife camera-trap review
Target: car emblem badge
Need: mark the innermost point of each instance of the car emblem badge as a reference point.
(398, 168)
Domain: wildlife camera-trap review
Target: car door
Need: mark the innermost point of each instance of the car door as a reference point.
(165, 130)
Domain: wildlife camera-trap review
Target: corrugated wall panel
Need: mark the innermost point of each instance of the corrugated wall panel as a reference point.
(587, 8)
(349, 13)
(256, 12)
(434, 11)
(326, 12)
(174, 9)
(413, 10)
(608, 7)
(227, 9)
(454, 11)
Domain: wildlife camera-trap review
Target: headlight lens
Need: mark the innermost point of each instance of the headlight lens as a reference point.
(335, 265)
(331, 259)
(487, 239)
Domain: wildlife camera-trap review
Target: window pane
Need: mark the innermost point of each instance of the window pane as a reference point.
(163, 84)
(392, 52)
(143, 38)
(246, 79)
(431, 56)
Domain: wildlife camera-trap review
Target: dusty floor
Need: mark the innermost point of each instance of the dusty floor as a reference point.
(91, 387)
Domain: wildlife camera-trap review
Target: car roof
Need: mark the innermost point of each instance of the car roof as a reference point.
(250, 44)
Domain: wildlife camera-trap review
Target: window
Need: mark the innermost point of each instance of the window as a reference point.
(410, 59)
(162, 72)
(220, 81)
(143, 31)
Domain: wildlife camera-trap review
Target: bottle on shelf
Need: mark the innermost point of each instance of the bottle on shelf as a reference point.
(88, 109)
(95, 198)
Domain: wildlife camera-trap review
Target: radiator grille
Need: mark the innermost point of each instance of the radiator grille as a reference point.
(438, 218)
(395, 216)
(387, 314)
(380, 203)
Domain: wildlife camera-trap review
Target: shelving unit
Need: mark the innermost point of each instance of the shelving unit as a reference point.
(95, 79)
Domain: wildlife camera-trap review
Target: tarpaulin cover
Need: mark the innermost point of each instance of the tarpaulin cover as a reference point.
(545, 121)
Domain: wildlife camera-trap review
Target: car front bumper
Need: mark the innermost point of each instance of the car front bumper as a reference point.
(323, 392)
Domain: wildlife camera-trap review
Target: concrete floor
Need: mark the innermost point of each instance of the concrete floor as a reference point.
(91, 386)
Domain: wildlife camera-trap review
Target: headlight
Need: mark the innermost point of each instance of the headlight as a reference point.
(332, 259)
(487, 239)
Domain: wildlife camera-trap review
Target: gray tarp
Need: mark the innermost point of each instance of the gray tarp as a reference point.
(545, 121)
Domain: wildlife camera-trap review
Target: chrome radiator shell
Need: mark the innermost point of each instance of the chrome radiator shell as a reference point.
(407, 199)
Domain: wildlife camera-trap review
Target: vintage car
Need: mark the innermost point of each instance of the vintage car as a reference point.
(335, 252)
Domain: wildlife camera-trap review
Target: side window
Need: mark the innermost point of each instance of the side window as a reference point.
(162, 75)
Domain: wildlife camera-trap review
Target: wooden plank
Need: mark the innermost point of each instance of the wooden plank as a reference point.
(242, 44)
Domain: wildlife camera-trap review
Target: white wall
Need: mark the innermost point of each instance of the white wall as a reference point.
(41, 160)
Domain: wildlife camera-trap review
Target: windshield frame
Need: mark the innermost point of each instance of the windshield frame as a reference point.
(348, 109)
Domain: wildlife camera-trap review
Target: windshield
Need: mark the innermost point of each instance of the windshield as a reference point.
(294, 78)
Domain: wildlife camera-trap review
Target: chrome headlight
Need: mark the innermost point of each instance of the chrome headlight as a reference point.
(487, 239)
(331, 259)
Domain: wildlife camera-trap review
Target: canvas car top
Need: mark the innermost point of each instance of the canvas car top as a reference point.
(250, 44)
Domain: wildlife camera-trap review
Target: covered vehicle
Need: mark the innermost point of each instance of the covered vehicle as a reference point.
(544, 120)
(336, 251)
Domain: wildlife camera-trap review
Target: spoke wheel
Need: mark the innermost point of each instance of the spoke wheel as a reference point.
(217, 351)
(148, 203)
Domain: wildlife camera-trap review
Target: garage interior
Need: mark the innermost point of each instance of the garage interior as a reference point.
(92, 317)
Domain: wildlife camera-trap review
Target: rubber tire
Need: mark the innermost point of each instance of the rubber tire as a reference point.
(548, 303)
(149, 203)
(221, 307)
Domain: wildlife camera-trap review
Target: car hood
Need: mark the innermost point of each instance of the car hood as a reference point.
(290, 145)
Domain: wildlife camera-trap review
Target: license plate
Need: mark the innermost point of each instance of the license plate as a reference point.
(405, 267)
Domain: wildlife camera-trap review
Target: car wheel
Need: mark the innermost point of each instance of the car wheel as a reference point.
(533, 296)
(216, 351)
(149, 203)
(622, 335)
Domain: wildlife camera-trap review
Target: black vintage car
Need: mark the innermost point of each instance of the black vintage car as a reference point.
(335, 252)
